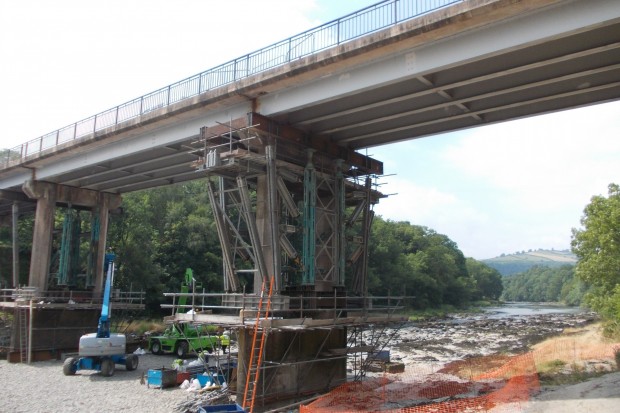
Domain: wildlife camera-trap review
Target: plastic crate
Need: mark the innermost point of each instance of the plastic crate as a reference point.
(161, 378)
(222, 408)
(204, 380)
(182, 376)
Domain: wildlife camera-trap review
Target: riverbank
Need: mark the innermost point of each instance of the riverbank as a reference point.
(428, 347)
(460, 336)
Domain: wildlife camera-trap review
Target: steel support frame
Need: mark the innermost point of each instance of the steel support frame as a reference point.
(281, 206)
(309, 222)
(231, 281)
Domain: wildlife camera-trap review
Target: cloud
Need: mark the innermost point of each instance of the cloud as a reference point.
(66, 60)
(544, 162)
(508, 187)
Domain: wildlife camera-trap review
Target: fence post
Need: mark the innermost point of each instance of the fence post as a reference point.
(395, 3)
(338, 33)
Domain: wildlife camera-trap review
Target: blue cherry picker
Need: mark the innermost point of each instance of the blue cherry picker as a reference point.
(102, 350)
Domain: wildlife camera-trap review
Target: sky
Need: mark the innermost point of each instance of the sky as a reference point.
(502, 188)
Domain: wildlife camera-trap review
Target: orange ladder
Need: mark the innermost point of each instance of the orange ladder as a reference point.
(258, 345)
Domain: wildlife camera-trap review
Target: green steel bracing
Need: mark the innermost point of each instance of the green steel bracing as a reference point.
(69, 248)
(309, 222)
(75, 250)
(340, 225)
(63, 265)
(93, 247)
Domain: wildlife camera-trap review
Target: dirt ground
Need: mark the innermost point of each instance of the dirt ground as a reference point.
(598, 395)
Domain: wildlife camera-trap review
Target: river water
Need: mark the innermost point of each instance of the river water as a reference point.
(525, 309)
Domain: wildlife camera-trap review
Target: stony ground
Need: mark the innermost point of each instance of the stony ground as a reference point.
(42, 387)
(462, 336)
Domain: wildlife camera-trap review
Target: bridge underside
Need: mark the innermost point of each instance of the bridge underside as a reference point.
(563, 56)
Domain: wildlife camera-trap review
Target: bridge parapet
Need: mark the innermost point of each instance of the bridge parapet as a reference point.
(350, 27)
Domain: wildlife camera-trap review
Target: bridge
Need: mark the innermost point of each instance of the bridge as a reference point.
(390, 72)
(286, 123)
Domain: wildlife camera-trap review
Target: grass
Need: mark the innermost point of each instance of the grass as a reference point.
(139, 327)
(558, 373)
(430, 313)
(445, 310)
(575, 356)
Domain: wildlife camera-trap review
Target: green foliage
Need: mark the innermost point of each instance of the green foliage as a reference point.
(24, 229)
(161, 233)
(545, 284)
(488, 281)
(416, 261)
(597, 245)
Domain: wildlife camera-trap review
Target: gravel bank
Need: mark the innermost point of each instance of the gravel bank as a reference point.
(42, 387)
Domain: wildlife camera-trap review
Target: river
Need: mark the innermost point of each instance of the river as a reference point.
(512, 309)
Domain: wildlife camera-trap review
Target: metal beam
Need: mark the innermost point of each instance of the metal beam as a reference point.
(434, 89)
(319, 143)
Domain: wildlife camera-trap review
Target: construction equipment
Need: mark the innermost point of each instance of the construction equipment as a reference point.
(181, 338)
(102, 350)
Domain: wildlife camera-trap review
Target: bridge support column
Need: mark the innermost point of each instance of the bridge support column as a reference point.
(42, 235)
(100, 246)
(48, 195)
(267, 218)
(294, 363)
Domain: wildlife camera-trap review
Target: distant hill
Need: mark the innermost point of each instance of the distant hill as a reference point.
(508, 264)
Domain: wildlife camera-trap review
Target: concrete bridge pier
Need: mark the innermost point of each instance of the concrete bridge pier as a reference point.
(48, 195)
(296, 363)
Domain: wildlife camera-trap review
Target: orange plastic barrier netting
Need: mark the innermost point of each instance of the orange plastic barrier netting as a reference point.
(500, 383)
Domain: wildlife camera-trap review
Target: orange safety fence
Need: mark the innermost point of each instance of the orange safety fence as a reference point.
(481, 384)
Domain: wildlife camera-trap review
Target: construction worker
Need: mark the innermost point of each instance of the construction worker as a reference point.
(224, 341)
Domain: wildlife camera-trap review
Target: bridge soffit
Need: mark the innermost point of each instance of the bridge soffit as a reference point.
(270, 130)
(70, 195)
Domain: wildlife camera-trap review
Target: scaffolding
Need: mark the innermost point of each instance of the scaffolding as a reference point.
(285, 208)
(304, 341)
(294, 211)
(46, 323)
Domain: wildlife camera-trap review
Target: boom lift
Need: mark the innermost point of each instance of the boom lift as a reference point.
(102, 350)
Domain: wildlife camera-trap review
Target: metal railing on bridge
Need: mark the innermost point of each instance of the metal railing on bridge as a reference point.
(365, 21)
(9, 297)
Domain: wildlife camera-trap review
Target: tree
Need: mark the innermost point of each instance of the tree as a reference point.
(545, 284)
(417, 261)
(597, 245)
(487, 280)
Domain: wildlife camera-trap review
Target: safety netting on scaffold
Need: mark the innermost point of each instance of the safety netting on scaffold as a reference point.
(496, 383)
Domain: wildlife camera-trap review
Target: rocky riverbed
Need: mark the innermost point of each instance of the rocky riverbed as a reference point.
(460, 336)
